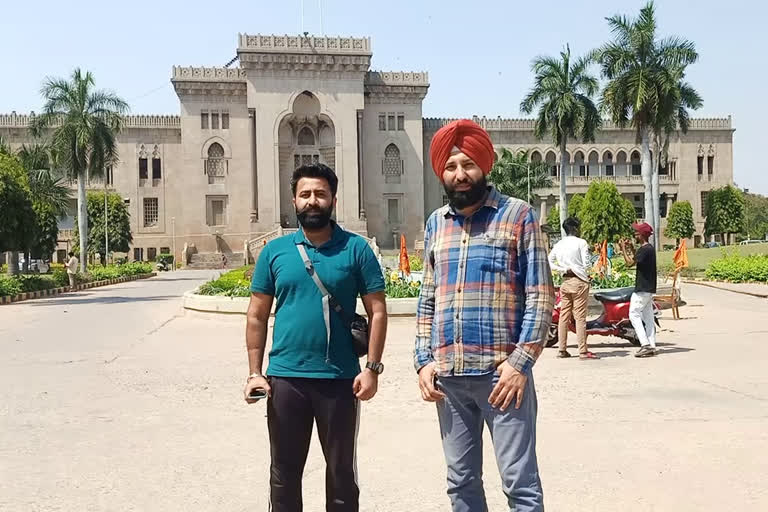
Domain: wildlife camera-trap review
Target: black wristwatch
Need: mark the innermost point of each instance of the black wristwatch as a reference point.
(375, 367)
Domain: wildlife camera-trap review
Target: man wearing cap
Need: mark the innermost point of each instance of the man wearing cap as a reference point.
(641, 304)
(482, 319)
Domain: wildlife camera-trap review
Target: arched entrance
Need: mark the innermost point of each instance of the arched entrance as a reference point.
(305, 136)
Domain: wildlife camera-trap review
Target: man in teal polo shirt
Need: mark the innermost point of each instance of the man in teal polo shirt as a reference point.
(314, 373)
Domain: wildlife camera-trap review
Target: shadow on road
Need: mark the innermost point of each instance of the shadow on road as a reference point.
(101, 300)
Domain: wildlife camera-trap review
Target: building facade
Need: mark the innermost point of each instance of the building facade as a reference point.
(216, 178)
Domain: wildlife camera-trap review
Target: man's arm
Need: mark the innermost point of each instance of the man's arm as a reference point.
(425, 309)
(628, 253)
(257, 320)
(376, 309)
(553, 263)
(539, 294)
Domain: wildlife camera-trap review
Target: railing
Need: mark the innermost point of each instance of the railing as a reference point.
(208, 74)
(304, 44)
(502, 124)
(139, 121)
(397, 78)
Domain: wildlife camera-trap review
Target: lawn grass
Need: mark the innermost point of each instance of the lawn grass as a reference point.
(699, 259)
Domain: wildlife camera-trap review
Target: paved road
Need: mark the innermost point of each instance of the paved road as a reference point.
(115, 401)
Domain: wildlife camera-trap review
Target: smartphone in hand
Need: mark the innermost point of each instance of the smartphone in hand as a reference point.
(257, 394)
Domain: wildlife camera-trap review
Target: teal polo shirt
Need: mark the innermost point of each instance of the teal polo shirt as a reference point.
(348, 268)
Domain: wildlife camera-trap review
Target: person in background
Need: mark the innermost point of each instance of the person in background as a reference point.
(570, 257)
(72, 269)
(641, 303)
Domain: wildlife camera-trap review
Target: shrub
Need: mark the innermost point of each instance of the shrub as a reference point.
(416, 263)
(739, 269)
(9, 286)
(60, 277)
(398, 288)
(165, 258)
(231, 284)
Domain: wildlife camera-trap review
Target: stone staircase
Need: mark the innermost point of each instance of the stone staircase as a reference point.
(215, 260)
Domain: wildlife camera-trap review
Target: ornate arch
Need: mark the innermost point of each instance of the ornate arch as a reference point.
(215, 139)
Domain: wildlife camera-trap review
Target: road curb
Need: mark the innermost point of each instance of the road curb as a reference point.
(713, 284)
(50, 292)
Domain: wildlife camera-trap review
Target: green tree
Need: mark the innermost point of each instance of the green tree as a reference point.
(725, 211)
(680, 221)
(605, 214)
(575, 205)
(755, 216)
(553, 218)
(118, 224)
(84, 124)
(17, 218)
(50, 197)
(563, 91)
(641, 71)
(515, 175)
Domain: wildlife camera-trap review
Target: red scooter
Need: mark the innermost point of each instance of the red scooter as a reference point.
(614, 320)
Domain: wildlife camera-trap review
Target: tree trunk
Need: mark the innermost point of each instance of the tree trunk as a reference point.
(645, 167)
(563, 196)
(655, 191)
(82, 220)
(13, 263)
(25, 265)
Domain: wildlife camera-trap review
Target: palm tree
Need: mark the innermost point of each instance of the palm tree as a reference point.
(84, 125)
(563, 91)
(673, 115)
(641, 71)
(515, 175)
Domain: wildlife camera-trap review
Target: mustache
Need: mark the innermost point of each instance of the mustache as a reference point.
(308, 209)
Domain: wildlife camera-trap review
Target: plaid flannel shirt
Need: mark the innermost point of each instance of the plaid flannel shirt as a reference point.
(487, 292)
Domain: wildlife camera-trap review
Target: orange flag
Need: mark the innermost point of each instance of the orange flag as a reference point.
(405, 265)
(681, 256)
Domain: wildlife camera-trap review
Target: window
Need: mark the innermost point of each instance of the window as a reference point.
(700, 165)
(165, 250)
(636, 164)
(138, 254)
(393, 211)
(109, 175)
(216, 164)
(216, 214)
(609, 169)
(225, 120)
(204, 120)
(710, 165)
(214, 120)
(391, 122)
(306, 137)
(150, 212)
(663, 206)
(151, 253)
(638, 198)
(392, 166)
(156, 173)
(582, 170)
(143, 173)
(704, 203)
(382, 122)
(400, 122)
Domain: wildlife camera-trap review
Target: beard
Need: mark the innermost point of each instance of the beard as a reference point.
(313, 218)
(460, 199)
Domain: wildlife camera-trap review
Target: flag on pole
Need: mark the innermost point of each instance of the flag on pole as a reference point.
(681, 256)
(405, 265)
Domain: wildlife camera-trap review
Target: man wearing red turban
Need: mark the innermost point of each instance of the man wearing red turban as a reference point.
(482, 320)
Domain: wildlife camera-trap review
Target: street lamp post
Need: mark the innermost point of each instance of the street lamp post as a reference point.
(106, 226)
(173, 238)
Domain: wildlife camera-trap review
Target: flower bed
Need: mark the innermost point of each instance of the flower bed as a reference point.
(14, 285)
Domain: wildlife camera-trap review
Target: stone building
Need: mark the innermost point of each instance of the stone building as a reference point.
(216, 178)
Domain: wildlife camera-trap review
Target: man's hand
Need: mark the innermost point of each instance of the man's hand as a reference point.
(256, 383)
(510, 387)
(366, 384)
(427, 383)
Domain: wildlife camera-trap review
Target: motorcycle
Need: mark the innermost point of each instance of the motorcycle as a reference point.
(613, 321)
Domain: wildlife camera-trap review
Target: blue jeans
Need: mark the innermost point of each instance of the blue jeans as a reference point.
(513, 432)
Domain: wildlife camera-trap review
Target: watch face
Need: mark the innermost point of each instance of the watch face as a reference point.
(376, 367)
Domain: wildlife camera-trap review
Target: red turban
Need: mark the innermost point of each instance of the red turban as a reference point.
(471, 140)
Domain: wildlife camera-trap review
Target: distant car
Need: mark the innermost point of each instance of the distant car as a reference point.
(36, 266)
(711, 245)
(750, 242)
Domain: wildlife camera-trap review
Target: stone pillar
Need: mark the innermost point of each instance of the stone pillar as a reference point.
(360, 174)
(543, 212)
(669, 204)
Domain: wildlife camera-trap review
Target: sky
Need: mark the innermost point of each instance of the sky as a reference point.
(478, 54)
